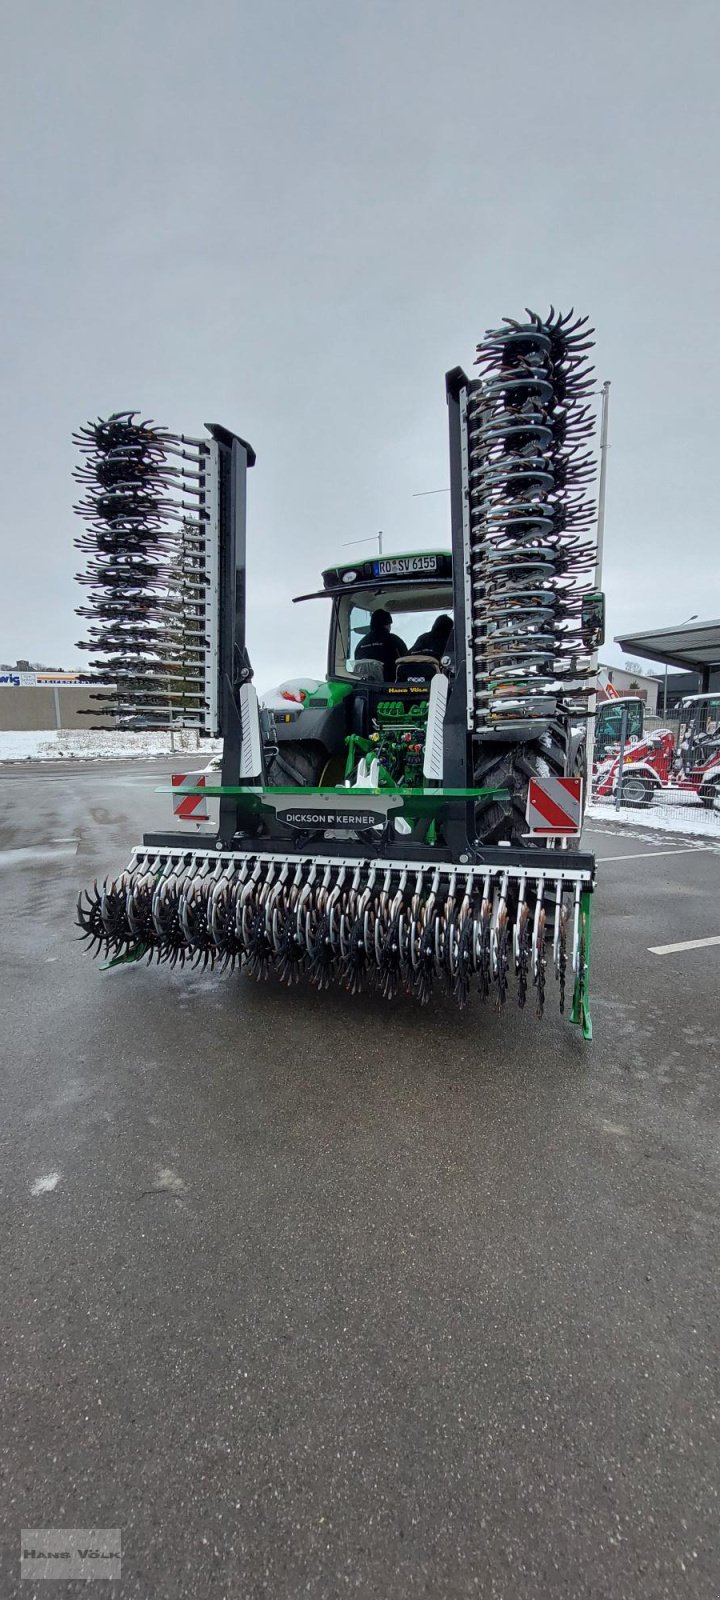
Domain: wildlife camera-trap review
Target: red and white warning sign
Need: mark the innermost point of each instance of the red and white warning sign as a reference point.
(191, 807)
(554, 805)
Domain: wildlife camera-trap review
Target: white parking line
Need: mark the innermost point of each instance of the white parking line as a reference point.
(682, 850)
(687, 944)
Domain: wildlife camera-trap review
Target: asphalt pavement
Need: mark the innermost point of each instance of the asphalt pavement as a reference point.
(313, 1295)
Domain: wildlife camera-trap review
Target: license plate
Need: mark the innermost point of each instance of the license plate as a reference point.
(401, 566)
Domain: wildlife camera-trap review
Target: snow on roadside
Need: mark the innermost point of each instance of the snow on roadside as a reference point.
(687, 818)
(80, 744)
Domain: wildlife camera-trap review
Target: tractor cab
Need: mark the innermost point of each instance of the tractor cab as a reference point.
(608, 723)
(412, 591)
(390, 633)
(699, 735)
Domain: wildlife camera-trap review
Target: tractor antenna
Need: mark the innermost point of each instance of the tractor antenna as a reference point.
(375, 536)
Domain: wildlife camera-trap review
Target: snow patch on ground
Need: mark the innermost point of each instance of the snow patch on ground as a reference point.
(46, 1184)
(687, 818)
(79, 744)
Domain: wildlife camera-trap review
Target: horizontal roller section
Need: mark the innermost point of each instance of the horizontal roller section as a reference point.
(397, 924)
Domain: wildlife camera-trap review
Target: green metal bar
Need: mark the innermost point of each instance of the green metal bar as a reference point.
(581, 994)
(136, 954)
(412, 802)
(216, 790)
(355, 741)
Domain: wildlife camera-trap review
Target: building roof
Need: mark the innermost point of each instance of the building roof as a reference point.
(626, 672)
(693, 646)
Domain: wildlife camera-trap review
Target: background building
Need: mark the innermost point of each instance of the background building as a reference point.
(627, 681)
(38, 699)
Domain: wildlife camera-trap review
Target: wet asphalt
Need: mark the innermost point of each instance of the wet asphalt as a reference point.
(322, 1296)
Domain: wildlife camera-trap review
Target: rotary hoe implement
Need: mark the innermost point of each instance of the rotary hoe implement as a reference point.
(413, 819)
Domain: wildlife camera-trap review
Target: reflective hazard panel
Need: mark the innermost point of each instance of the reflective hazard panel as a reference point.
(191, 807)
(554, 805)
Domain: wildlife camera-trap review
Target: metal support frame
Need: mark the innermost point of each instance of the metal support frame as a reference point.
(602, 486)
(458, 763)
(211, 487)
(580, 1013)
(458, 716)
(234, 455)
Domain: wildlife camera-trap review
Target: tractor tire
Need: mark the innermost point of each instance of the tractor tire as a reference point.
(710, 796)
(297, 764)
(638, 792)
(511, 767)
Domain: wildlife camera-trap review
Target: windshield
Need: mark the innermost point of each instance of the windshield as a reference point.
(609, 721)
(373, 631)
(700, 713)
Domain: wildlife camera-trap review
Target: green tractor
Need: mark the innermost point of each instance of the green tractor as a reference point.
(391, 634)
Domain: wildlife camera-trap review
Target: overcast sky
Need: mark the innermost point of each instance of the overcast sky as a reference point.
(292, 216)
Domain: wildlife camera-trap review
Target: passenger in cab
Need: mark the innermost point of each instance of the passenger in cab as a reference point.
(434, 642)
(380, 644)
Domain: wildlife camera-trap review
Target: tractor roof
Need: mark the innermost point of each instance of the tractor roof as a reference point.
(422, 566)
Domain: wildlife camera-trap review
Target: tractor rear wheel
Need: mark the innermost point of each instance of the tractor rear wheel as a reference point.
(511, 767)
(297, 764)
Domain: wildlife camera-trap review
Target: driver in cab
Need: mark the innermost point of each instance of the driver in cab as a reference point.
(381, 644)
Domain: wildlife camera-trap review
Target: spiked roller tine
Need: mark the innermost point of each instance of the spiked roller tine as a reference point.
(460, 946)
(538, 942)
(166, 916)
(561, 963)
(282, 899)
(89, 921)
(414, 929)
(221, 914)
(260, 947)
(393, 952)
(245, 907)
(464, 960)
(425, 965)
(290, 947)
(334, 914)
(522, 943)
(274, 897)
(501, 944)
(354, 954)
(356, 958)
(306, 902)
(195, 918)
(381, 918)
(118, 933)
(445, 933)
(482, 955)
(138, 908)
(318, 936)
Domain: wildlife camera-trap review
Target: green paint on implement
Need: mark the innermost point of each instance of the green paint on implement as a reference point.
(581, 997)
(136, 954)
(413, 802)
